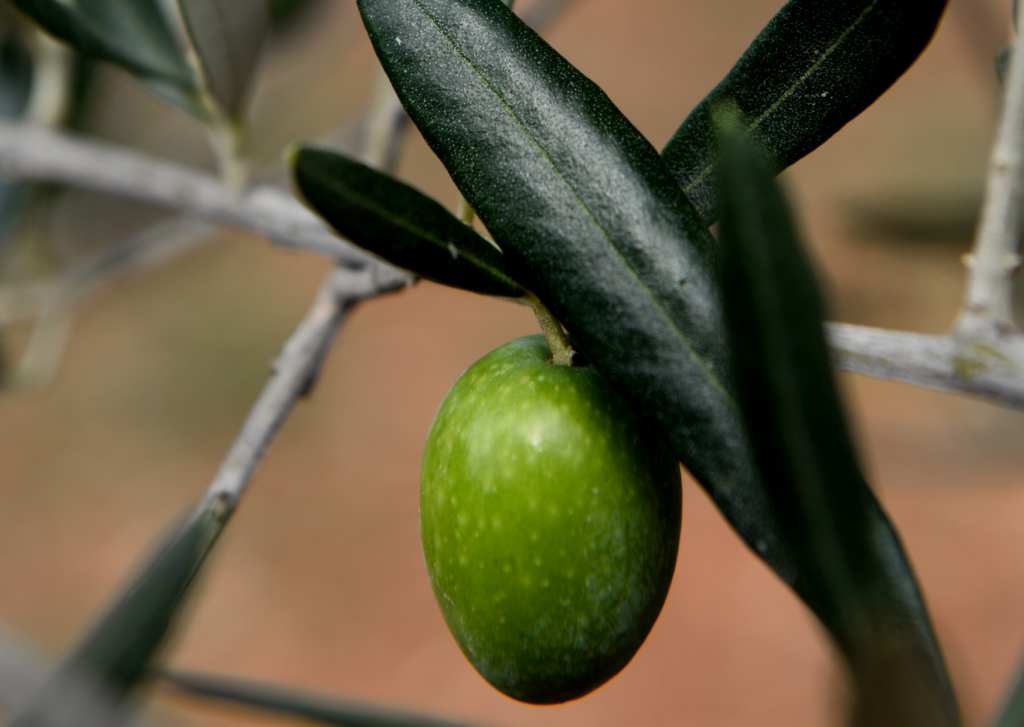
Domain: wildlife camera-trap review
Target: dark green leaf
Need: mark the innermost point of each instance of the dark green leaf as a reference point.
(15, 86)
(15, 76)
(93, 680)
(812, 69)
(132, 33)
(319, 708)
(853, 571)
(590, 220)
(1011, 712)
(399, 224)
(228, 37)
(283, 12)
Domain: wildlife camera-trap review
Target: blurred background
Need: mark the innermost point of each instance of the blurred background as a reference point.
(319, 581)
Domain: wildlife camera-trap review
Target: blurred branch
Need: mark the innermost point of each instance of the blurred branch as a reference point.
(38, 362)
(52, 300)
(385, 120)
(295, 371)
(30, 153)
(992, 369)
(297, 366)
(150, 247)
(984, 354)
(23, 671)
(50, 99)
(986, 312)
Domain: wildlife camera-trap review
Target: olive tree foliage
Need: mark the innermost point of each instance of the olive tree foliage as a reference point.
(716, 340)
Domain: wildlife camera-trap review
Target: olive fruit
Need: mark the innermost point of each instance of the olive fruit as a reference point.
(550, 522)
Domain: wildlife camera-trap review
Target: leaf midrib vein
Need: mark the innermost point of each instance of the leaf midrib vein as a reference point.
(415, 229)
(583, 205)
(788, 92)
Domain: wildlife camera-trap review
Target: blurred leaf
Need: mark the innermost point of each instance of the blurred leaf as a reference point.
(319, 708)
(15, 76)
(1011, 711)
(131, 33)
(917, 215)
(228, 36)
(589, 219)
(1003, 56)
(399, 224)
(15, 87)
(284, 11)
(853, 572)
(812, 69)
(5, 367)
(93, 680)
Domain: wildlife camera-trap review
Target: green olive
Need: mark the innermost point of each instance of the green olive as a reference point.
(550, 522)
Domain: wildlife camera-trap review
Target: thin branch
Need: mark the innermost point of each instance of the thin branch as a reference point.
(298, 365)
(993, 369)
(152, 246)
(385, 120)
(51, 301)
(984, 358)
(986, 311)
(293, 374)
(33, 154)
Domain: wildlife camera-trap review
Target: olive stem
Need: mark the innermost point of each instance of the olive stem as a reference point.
(561, 351)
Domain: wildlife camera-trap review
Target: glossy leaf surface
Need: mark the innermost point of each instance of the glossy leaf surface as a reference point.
(399, 224)
(97, 674)
(590, 220)
(227, 36)
(854, 572)
(812, 69)
(314, 707)
(131, 33)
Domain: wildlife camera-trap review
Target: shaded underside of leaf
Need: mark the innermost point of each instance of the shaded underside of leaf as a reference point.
(399, 224)
(131, 33)
(315, 707)
(228, 36)
(590, 220)
(854, 573)
(94, 679)
(813, 68)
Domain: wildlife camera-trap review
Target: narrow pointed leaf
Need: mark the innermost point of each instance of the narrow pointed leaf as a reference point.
(131, 33)
(854, 572)
(399, 224)
(589, 219)
(96, 676)
(228, 36)
(315, 707)
(813, 68)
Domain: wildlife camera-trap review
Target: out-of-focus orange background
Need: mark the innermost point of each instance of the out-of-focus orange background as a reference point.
(319, 581)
